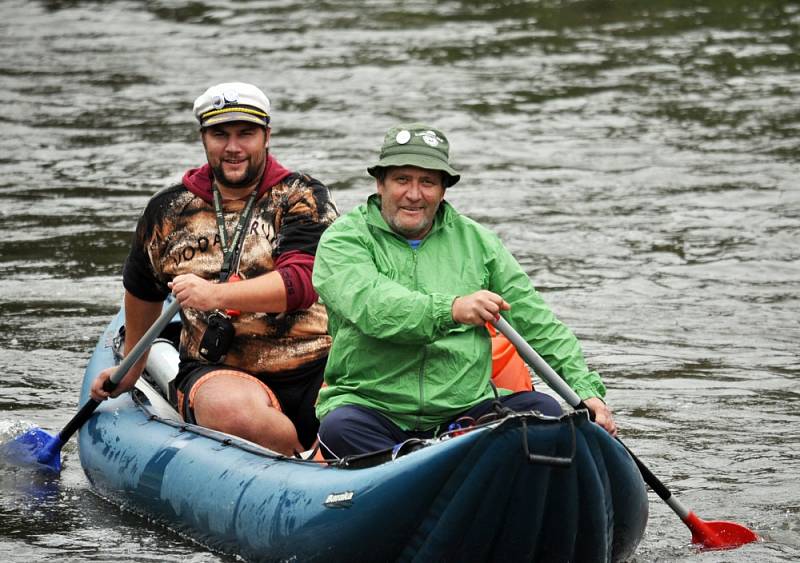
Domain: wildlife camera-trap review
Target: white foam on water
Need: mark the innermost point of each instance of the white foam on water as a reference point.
(12, 428)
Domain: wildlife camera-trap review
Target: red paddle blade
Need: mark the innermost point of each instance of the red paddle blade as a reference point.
(718, 534)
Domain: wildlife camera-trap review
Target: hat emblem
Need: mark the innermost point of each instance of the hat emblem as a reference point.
(231, 96)
(403, 137)
(430, 138)
(219, 101)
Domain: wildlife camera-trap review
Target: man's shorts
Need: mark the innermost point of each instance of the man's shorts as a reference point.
(293, 393)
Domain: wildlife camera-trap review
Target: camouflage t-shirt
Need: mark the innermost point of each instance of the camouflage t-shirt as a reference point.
(177, 234)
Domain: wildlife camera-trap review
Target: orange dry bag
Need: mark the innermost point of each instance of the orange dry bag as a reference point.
(508, 369)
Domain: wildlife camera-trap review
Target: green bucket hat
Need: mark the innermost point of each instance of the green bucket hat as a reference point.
(416, 144)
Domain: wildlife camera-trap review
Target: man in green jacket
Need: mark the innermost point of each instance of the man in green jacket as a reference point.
(409, 285)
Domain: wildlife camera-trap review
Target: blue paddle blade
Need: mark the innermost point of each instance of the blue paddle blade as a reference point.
(34, 448)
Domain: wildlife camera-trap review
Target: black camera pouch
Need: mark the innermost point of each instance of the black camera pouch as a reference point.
(217, 338)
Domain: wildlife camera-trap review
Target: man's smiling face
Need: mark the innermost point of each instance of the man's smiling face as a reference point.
(410, 197)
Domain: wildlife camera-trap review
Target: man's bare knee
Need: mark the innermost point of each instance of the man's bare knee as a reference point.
(242, 407)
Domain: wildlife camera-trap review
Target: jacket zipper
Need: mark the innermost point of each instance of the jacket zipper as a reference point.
(421, 375)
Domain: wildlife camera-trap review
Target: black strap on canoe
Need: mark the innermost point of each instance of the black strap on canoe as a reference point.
(555, 461)
(500, 410)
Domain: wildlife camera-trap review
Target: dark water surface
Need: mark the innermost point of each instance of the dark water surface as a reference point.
(640, 159)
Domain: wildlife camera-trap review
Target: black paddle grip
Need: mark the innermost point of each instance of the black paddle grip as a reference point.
(654, 482)
(77, 421)
(84, 413)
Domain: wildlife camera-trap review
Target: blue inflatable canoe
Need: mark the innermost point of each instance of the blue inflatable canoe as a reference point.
(524, 488)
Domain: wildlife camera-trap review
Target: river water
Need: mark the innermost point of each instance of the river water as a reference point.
(639, 158)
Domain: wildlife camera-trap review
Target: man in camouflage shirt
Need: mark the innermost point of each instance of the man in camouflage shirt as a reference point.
(242, 218)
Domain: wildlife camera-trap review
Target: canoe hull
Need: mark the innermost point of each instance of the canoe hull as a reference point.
(475, 497)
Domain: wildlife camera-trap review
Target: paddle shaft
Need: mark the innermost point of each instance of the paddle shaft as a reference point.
(533, 359)
(124, 367)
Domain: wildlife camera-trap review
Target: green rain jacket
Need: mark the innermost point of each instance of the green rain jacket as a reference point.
(396, 348)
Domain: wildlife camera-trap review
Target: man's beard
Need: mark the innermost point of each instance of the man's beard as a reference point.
(252, 174)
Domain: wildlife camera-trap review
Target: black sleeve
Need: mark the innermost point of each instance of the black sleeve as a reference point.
(139, 275)
(308, 211)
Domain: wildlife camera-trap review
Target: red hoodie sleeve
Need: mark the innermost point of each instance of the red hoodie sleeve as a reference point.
(295, 267)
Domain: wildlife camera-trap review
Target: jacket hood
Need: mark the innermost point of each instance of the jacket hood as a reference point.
(198, 180)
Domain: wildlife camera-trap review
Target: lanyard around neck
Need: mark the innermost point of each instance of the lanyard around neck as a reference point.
(230, 252)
